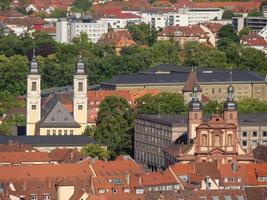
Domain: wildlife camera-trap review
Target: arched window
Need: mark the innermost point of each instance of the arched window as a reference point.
(203, 140)
(217, 141)
(195, 116)
(231, 115)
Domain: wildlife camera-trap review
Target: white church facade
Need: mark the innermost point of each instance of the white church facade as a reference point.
(49, 116)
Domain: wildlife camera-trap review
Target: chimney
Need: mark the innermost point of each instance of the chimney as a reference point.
(207, 181)
(140, 180)
(234, 167)
(127, 178)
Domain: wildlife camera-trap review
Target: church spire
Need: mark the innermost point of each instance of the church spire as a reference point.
(195, 104)
(230, 103)
(80, 66)
(33, 67)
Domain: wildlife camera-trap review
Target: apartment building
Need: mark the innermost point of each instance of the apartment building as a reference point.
(67, 29)
(161, 17)
(254, 23)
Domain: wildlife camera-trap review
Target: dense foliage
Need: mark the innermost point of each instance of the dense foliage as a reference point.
(162, 103)
(95, 151)
(114, 125)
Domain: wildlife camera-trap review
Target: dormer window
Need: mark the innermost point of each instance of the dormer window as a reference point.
(34, 197)
(114, 190)
(46, 197)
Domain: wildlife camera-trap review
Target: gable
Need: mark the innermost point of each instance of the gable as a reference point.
(58, 116)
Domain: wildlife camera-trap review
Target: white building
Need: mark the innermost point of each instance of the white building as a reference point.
(120, 20)
(159, 18)
(66, 30)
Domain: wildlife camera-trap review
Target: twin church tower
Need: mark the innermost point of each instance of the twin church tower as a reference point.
(49, 116)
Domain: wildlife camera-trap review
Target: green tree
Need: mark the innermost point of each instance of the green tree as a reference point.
(228, 14)
(245, 31)
(162, 103)
(165, 52)
(213, 107)
(228, 31)
(89, 131)
(5, 4)
(58, 13)
(142, 34)
(95, 151)
(255, 13)
(252, 105)
(82, 5)
(13, 71)
(114, 125)
(253, 59)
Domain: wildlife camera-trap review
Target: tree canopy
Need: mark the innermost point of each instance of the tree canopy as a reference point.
(82, 5)
(228, 14)
(162, 103)
(95, 151)
(114, 125)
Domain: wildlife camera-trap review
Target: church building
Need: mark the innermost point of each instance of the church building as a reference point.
(210, 139)
(49, 116)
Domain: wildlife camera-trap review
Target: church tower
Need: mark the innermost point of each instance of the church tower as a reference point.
(33, 96)
(230, 107)
(194, 114)
(80, 94)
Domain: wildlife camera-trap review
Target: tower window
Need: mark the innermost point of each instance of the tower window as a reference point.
(80, 107)
(80, 86)
(33, 107)
(34, 86)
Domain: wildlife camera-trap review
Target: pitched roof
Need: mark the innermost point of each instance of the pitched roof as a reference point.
(253, 39)
(116, 168)
(45, 171)
(58, 116)
(23, 157)
(190, 82)
(260, 153)
(183, 31)
(158, 179)
(117, 13)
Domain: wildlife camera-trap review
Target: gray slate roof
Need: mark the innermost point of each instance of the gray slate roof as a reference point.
(171, 74)
(54, 114)
(43, 141)
(182, 120)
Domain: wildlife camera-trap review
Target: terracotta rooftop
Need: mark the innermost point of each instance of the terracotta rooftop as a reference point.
(116, 168)
(23, 157)
(253, 39)
(158, 178)
(45, 171)
(183, 31)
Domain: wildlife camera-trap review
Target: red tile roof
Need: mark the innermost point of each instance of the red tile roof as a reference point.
(183, 31)
(190, 82)
(117, 13)
(253, 39)
(235, 6)
(158, 179)
(23, 157)
(116, 168)
(45, 171)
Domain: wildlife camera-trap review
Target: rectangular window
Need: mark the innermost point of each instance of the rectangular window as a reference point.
(47, 132)
(33, 107)
(34, 86)
(244, 134)
(54, 132)
(254, 134)
(65, 132)
(264, 134)
(244, 143)
(80, 107)
(59, 132)
(80, 86)
(71, 132)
